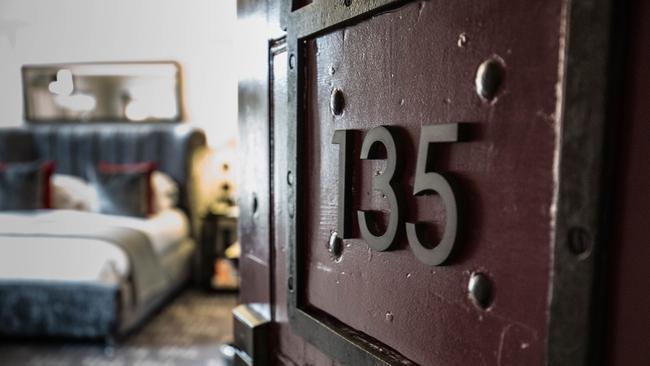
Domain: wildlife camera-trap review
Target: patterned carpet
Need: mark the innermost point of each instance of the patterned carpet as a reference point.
(186, 332)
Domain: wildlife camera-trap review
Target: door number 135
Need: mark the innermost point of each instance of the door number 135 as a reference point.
(425, 182)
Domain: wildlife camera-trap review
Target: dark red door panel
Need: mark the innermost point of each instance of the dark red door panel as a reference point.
(411, 67)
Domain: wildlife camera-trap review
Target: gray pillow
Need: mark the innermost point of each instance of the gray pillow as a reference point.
(24, 186)
(124, 189)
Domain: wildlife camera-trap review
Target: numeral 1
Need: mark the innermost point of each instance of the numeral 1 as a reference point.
(343, 138)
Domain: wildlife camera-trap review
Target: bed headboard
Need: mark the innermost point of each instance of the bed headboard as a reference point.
(75, 146)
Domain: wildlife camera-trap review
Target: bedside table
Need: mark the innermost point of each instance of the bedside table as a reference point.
(218, 232)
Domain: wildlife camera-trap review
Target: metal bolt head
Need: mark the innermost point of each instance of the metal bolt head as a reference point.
(335, 245)
(579, 242)
(289, 178)
(480, 290)
(489, 78)
(254, 203)
(337, 102)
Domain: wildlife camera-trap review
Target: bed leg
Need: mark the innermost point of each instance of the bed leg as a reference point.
(109, 346)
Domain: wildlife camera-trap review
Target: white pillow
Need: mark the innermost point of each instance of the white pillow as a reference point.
(165, 191)
(73, 193)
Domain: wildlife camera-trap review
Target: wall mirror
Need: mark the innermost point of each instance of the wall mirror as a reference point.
(103, 92)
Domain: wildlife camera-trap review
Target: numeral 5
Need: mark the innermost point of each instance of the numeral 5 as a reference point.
(430, 253)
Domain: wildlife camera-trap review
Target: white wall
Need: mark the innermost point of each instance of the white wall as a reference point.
(196, 33)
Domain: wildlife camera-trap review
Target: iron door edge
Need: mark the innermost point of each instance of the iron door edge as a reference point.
(591, 69)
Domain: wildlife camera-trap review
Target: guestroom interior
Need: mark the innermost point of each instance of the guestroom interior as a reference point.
(324, 182)
(118, 172)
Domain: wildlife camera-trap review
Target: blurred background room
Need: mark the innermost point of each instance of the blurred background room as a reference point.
(118, 152)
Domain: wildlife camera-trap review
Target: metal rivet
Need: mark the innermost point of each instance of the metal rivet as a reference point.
(489, 78)
(347, 2)
(290, 283)
(337, 102)
(289, 178)
(292, 61)
(254, 203)
(335, 245)
(579, 242)
(480, 290)
(462, 40)
(389, 317)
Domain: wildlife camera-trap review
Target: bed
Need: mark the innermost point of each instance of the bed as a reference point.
(89, 274)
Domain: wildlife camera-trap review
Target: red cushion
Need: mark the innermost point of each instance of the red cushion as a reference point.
(147, 167)
(48, 169)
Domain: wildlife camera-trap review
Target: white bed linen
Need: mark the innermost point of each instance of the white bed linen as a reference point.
(79, 259)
